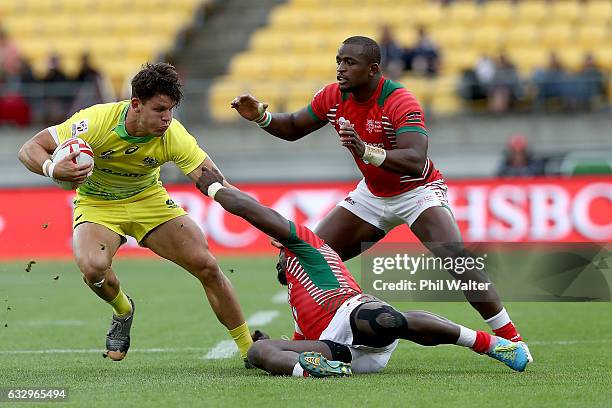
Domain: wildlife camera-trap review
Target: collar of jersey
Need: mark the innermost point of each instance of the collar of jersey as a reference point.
(122, 132)
(381, 83)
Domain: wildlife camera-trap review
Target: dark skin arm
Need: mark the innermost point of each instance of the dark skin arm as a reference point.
(236, 202)
(286, 126)
(408, 158)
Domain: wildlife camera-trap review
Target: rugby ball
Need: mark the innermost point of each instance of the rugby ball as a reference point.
(73, 144)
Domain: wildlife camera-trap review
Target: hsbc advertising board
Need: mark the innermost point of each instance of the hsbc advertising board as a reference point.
(37, 222)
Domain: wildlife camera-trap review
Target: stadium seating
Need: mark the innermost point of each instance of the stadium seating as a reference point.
(120, 34)
(291, 57)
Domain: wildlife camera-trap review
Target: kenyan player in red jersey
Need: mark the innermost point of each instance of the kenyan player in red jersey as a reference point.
(383, 127)
(339, 329)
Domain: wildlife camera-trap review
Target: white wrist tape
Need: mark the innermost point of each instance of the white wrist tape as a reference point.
(50, 169)
(374, 155)
(45, 167)
(214, 188)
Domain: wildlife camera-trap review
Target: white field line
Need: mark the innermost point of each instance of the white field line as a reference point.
(55, 322)
(223, 349)
(201, 349)
(280, 298)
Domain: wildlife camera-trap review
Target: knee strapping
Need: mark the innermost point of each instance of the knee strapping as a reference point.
(385, 320)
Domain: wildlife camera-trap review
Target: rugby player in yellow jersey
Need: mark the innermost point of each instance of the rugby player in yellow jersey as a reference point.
(123, 196)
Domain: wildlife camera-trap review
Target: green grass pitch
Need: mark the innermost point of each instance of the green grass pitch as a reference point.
(49, 308)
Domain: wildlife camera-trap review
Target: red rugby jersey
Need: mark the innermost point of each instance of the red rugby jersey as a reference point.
(389, 113)
(318, 282)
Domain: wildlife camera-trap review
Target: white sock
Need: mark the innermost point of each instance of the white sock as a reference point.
(467, 337)
(499, 320)
(298, 371)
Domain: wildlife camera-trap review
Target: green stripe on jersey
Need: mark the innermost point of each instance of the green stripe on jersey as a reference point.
(314, 264)
(417, 129)
(388, 88)
(314, 115)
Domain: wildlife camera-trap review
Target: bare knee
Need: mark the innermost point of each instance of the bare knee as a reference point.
(93, 267)
(207, 270)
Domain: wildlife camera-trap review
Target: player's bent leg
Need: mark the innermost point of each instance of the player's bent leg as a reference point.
(181, 241)
(301, 358)
(437, 229)
(377, 324)
(94, 247)
(345, 233)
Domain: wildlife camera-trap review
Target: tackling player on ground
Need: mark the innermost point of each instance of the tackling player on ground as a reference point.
(131, 140)
(383, 127)
(338, 329)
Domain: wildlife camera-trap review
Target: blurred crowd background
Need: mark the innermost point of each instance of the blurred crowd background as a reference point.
(510, 88)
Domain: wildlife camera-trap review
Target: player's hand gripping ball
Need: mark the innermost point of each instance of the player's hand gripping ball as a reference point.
(85, 157)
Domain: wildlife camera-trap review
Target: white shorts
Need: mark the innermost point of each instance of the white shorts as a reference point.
(365, 359)
(386, 213)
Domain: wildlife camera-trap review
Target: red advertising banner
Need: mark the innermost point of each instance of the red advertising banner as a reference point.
(37, 222)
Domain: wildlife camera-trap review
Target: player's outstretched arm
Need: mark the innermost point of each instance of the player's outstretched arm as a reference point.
(210, 165)
(286, 126)
(235, 201)
(38, 149)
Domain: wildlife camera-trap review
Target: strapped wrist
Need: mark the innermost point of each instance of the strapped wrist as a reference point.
(264, 120)
(374, 155)
(214, 188)
(47, 168)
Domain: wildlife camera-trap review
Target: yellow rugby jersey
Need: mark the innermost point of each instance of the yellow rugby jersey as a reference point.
(125, 165)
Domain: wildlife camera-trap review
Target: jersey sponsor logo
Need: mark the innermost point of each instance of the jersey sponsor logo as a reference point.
(349, 200)
(171, 204)
(132, 149)
(108, 154)
(79, 128)
(115, 173)
(150, 161)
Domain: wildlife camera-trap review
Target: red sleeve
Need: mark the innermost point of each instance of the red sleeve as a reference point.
(405, 113)
(323, 101)
(298, 336)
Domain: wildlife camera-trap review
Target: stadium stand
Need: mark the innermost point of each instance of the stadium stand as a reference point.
(300, 41)
(118, 34)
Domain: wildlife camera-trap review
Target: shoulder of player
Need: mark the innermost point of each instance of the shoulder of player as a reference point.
(101, 114)
(175, 130)
(330, 91)
(399, 96)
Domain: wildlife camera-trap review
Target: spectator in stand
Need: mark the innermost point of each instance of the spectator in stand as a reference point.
(518, 161)
(424, 57)
(391, 54)
(58, 91)
(588, 85)
(9, 57)
(551, 84)
(90, 87)
(504, 88)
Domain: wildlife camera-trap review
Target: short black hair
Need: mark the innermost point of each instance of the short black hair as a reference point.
(159, 78)
(371, 50)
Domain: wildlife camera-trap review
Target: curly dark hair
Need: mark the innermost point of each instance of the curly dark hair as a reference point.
(159, 78)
